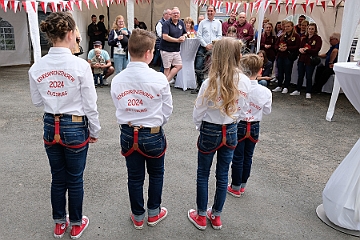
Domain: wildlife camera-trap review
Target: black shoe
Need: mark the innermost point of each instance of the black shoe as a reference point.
(195, 91)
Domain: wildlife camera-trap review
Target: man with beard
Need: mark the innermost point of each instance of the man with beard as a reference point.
(230, 22)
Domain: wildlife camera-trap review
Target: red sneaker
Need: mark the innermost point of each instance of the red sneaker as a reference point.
(233, 192)
(152, 221)
(77, 230)
(198, 221)
(215, 220)
(242, 190)
(60, 229)
(138, 225)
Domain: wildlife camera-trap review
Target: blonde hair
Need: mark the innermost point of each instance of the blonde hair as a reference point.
(251, 64)
(96, 50)
(189, 20)
(115, 26)
(224, 75)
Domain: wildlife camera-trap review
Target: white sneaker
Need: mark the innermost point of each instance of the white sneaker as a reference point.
(285, 90)
(277, 89)
(295, 93)
(171, 81)
(105, 83)
(308, 95)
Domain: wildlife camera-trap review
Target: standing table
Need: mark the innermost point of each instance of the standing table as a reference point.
(186, 78)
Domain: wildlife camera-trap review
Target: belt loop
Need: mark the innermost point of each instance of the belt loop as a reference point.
(248, 129)
(136, 137)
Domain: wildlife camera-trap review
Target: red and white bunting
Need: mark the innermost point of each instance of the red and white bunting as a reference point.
(86, 3)
(333, 2)
(236, 6)
(287, 9)
(246, 7)
(53, 7)
(293, 4)
(307, 2)
(270, 9)
(293, 9)
(267, 4)
(196, 2)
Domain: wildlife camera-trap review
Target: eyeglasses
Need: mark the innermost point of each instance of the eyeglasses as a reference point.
(176, 13)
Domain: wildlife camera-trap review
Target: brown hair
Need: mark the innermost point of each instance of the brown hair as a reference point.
(251, 64)
(231, 30)
(57, 25)
(315, 26)
(293, 32)
(224, 75)
(141, 41)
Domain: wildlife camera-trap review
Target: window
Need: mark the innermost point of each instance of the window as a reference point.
(7, 36)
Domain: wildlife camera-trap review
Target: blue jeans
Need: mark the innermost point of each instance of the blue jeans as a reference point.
(67, 166)
(200, 65)
(210, 139)
(152, 144)
(157, 56)
(120, 62)
(302, 70)
(263, 83)
(242, 160)
(284, 66)
(96, 77)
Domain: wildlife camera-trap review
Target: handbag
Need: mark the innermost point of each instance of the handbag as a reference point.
(315, 60)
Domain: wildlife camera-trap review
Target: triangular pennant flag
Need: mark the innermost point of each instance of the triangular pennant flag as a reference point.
(270, 9)
(79, 5)
(12, 5)
(311, 7)
(251, 7)
(59, 7)
(323, 4)
(24, 6)
(293, 8)
(62, 5)
(196, 2)
(277, 2)
(287, 10)
(333, 2)
(307, 2)
(279, 8)
(53, 7)
(293, 4)
(15, 5)
(227, 7)
(2, 4)
(246, 7)
(218, 4)
(43, 6)
(86, 3)
(257, 5)
(69, 5)
(34, 5)
(101, 2)
(5, 5)
(107, 3)
(267, 4)
(94, 2)
(287, 2)
(304, 7)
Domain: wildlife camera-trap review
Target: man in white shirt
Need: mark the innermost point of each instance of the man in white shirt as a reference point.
(108, 68)
(210, 29)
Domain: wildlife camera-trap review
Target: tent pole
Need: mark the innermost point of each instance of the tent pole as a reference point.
(152, 15)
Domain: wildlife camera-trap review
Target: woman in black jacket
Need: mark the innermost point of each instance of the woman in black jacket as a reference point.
(118, 40)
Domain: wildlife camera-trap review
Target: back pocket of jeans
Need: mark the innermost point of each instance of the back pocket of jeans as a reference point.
(74, 137)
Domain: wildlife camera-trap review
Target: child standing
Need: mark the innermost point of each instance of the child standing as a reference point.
(98, 72)
(260, 99)
(216, 112)
(143, 104)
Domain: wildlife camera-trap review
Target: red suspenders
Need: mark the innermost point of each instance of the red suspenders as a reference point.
(57, 139)
(248, 135)
(135, 146)
(223, 142)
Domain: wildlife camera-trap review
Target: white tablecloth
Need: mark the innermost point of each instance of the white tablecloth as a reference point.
(348, 75)
(186, 76)
(328, 86)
